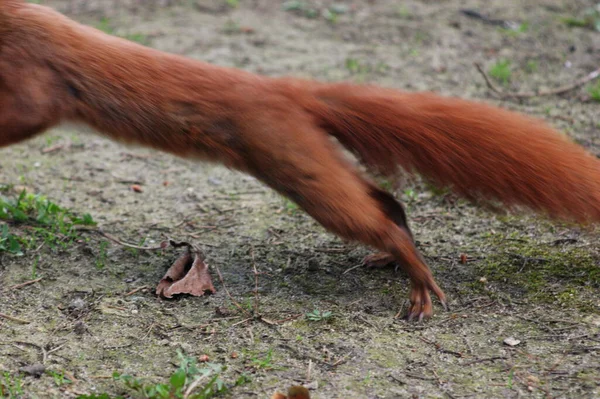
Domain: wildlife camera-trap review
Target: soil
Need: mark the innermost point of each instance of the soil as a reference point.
(506, 276)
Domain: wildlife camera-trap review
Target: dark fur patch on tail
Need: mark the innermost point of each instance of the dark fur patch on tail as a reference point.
(391, 207)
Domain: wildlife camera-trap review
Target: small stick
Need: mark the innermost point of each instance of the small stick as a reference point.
(15, 319)
(255, 284)
(242, 322)
(342, 360)
(143, 287)
(288, 319)
(114, 239)
(41, 348)
(538, 93)
(440, 348)
(26, 283)
(53, 350)
(230, 297)
(54, 148)
(352, 268)
(487, 359)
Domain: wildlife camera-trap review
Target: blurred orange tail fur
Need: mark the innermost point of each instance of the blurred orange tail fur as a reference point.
(481, 151)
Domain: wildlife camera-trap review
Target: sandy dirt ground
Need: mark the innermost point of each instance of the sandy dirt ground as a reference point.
(524, 278)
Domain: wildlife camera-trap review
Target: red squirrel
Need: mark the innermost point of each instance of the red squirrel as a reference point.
(280, 130)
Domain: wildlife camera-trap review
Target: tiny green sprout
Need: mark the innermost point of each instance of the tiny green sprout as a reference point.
(317, 315)
(594, 91)
(501, 71)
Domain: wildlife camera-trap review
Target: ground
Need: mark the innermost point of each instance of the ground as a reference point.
(506, 276)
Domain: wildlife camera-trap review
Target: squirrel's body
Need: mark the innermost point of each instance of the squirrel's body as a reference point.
(53, 69)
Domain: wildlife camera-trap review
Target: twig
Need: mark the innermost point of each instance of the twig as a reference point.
(15, 319)
(266, 321)
(352, 268)
(54, 148)
(236, 304)
(256, 313)
(53, 350)
(288, 319)
(114, 239)
(538, 93)
(342, 360)
(440, 348)
(41, 348)
(136, 290)
(487, 359)
(242, 322)
(418, 377)
(26, 283)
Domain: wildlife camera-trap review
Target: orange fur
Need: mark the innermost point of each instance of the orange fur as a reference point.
(53, 69)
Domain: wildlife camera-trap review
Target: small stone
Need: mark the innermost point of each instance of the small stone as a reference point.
(77, 307)
(203, 358)
(510, 341)
(214, 181)
(35, 370)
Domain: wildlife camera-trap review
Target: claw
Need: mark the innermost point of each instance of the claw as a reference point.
(445, 306)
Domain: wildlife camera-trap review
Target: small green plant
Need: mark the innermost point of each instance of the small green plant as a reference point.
(136, 37)
(102, 255)
(105, 26)
(516, 30)
(11, 387)
(411, 194)
(233, 3)
(331, 14)
(356, 67)
(9, 242)
(48, 221)
(34, 266)
(403, 12)
(532, 66)
(59, 378)
(188, 381)
(590, 19)
(300, 7)
(290, 206)
(594, 91)
(317, 315)
(231, 26)
(501, 71)
(265, 363)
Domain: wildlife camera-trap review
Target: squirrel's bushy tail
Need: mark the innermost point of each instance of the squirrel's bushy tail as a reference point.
(480, 151)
